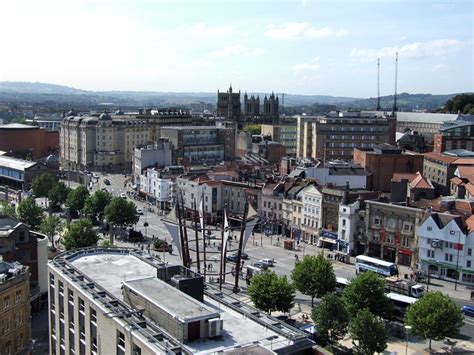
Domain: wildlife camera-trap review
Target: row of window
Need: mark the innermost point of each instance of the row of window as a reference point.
(7, 303)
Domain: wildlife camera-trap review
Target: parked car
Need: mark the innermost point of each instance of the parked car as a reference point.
(244, 255)
(468, 311)
(232, 258)
(261, 265)
(123, 195)
(139, 211)
(107, 182)
(268, 262)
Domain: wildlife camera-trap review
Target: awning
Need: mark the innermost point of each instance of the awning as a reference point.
(328, 240)
(405, 252)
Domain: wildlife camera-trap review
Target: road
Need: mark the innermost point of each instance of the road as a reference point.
(260, 247)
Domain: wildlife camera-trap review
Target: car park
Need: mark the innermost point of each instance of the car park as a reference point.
(468, 311)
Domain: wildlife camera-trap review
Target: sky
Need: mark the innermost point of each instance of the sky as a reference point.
(294, 47)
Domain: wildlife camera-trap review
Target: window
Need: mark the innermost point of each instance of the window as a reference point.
(343, 222)
(428, 241)
(18, 296)
(377, 221)
(61, 287)
(93, 316)
(468, 263)
(430, 253)
(469, 251)
(51, 280)
(6, 302)
(81, 305)
(136, 350)
(121, 341)
(71, 297)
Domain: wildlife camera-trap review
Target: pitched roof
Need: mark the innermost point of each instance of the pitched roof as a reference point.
(443, 219)
(457, 181)
(470, 188)
(440, 157)
(420, 182)
(464, 161)
(466, 171)
(470, 223)
(398, 177)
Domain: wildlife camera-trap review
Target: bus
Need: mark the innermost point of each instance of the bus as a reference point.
(400, 304)
(341, 284)
(381, 267)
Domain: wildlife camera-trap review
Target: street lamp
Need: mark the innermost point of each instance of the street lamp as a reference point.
(407, 329)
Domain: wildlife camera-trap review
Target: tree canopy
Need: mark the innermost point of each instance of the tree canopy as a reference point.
(58, 194)
(42, 185)
(368, 333)
(51, 225)
(80, 234)
(367, 291)
(434, 316)
(331, 318)
(7, 209)
(95, 204)
(253, 128)
(270, 292)
(76, 199)
(29, 213)
(463, 103)
(121, 212)
(314, 276)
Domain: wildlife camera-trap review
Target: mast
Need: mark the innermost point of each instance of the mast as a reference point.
(395, 108)
(378, 84)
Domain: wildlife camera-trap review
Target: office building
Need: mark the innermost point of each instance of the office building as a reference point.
(457, 134)
(101, 142)
(335, 135)
(155, 155)
(284, 134)
(15, 317)
(114, 300)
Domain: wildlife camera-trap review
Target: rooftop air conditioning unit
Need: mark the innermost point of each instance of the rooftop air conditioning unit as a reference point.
(215, 327)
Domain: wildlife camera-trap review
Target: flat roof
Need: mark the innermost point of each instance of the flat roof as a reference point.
(18, 126)
(14, 163)
(164, 296)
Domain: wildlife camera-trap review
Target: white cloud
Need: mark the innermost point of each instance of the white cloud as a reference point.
(312, 65)
(202, 30)
(237, 50)
(434, 48)
(297, 30)
(439, 67)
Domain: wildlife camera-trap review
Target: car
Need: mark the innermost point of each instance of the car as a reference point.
(260, 265)
(139, 211)
(123, 195)
(468, 311)
(232, 258)
(244, 255)
(268, 262)
(107, 182)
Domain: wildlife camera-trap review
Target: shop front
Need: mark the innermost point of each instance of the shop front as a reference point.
(310, 235)
(404, 257)
(374, 250)
(389, 253)
(328, 240)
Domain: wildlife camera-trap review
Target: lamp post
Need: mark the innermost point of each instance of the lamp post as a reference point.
(407, 329)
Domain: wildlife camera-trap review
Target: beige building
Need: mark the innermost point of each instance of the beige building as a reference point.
(15, 323)
(335, 135)
(101, 142)
(285, 134)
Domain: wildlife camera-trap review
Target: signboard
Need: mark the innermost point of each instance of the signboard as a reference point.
(328, 234)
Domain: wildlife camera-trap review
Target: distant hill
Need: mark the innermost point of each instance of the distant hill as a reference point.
(405, 102)
(35, 92)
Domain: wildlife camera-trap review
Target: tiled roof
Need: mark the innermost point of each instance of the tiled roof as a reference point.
(470, 188)
(457, 181)
(464, 161)
(470, 223)
(398, 177)
(440, 157)
(465, 172)
(420, 182)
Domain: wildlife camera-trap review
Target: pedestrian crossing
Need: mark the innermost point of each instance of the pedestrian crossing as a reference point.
(469, 320)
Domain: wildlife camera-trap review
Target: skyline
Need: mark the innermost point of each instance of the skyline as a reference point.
(297, 47)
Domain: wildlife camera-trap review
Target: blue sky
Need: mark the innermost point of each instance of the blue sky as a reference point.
(298, 47)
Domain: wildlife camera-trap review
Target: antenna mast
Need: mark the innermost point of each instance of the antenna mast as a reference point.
(395, 108)
(378, 84)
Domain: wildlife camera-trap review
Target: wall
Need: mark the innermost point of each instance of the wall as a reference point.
(39, 141)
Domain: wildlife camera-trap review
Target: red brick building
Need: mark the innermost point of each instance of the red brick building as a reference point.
(383, 161)
(28, 141)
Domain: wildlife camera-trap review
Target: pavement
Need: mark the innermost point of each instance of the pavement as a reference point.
(261, 246)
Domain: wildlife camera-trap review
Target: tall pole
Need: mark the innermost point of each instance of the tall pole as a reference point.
(222, 257)
(239, 251)
(457, 261)
(186, 243)
(378, 84)
(181, 234)
(395, 109)
(195, 220)
(203, 234)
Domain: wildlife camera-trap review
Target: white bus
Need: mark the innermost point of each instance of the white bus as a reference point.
(400, 304)
(381, 267)
(341, 284)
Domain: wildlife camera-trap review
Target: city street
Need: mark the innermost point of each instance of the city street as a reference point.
(260, 247)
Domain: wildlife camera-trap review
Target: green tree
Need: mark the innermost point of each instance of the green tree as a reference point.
(51, 225)
(367, 291)
(42, 185)
(7, 209)
(314, 276)
(368, 333)
(58, 194)
(96, 203)
(434, 316)
(80, 234)
(121, 212)
(270, 292)
(29, 213)
(76, 199)
(253, 128)
(331, 318)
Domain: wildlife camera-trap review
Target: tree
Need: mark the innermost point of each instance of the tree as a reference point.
(367, 291)
(29, 213)
(76, 199)
(96, 203)
(368, 333)
(270, 292)
(314, 276)
(42, 185)
(434, 316)
(331, 318)
(58, 194)
(7, 209)
(50, 226)
(80, 234)
(121, 212)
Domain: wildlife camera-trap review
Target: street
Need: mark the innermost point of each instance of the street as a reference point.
(260, 247)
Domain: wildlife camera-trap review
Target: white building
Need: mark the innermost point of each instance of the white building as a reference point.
(347, 226)
(445, 244)
(159, 190)
(194, 189)
(152, 155)
(311, 199)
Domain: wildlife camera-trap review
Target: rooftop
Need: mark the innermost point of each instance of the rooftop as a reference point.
(17, 126)
(15, 164)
